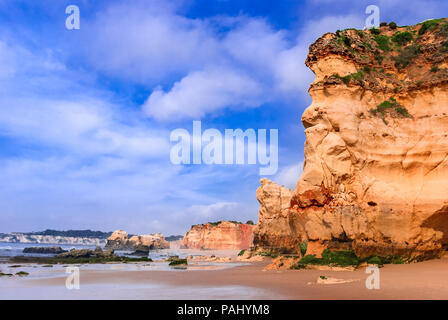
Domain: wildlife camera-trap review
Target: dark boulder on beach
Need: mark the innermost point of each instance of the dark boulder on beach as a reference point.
(44, 250)
(87, 253)
(141, 251)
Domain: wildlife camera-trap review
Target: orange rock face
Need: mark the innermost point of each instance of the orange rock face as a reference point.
(120, 240)
(376, 154)
(223, 236)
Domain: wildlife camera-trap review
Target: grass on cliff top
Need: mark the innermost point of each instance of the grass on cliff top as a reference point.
(217, 223)
(344, 258)
(382, 42)
(402, 38)
(429, 25)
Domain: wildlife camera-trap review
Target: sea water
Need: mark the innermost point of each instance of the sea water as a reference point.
(8, 249)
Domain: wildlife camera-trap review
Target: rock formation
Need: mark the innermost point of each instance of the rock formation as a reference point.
(44, 250)
(87, 253)
(376, 154)
(220, 235)
(119, 240)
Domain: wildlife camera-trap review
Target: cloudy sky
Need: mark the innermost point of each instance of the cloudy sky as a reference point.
(86, 115)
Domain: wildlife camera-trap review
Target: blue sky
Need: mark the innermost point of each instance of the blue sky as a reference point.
(86, 114)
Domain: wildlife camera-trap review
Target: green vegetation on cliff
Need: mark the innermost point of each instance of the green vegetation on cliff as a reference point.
(344, 258)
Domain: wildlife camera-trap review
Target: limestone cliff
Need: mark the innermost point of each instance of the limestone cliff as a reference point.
(120, 240)
(375, 173)
(221, 235)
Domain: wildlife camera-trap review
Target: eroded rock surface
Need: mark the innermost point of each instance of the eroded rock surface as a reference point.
(375, 174)
(120, 240)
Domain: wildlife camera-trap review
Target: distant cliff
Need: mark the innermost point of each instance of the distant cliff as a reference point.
(50, 239)
(219, 235)
(120, 240)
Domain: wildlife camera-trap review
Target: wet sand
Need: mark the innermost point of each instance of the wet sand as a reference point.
(425, 280)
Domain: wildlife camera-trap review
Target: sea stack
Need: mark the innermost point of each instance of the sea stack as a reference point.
(120, 240)
(222, 235)
(375, 174)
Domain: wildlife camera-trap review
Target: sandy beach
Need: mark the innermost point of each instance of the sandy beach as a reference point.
(425, 280)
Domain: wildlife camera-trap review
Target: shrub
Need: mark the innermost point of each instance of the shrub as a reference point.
(379, 58)
(402, 111)
(22, 274)
(443, 32)
(367, 69)
(434, 69)
(358, 76)
(444, 46)
(390, 104)
(323, 277)
(346, 40)
(342, 258)
(406, 56)
(383, 24)
(266, 254)
(375, 31)
(393, 25)
(178, 262)
(383, 42)
(383, 106)
(375, 260)
(401, 38)
(345, 79)
(429, 25)
(241, 253)
(303, 248)
(250, 222)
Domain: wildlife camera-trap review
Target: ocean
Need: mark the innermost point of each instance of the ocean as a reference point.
(16, 249)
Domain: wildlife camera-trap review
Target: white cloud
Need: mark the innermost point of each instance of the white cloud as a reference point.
(203, 92)
(73, 117)
(248, 64)
(147, 42)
